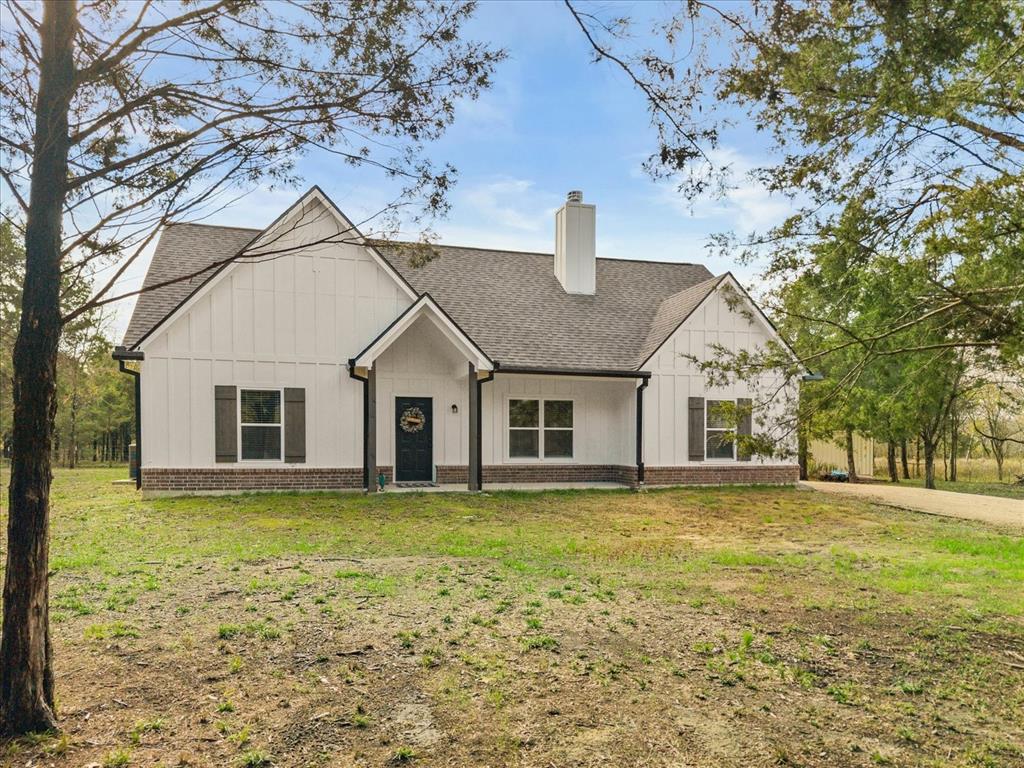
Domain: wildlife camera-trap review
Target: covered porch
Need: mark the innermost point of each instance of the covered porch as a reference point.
(439, 414)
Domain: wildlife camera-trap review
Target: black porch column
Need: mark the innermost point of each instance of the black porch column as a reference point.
(474, 430)
(370, 430)
(640, 431)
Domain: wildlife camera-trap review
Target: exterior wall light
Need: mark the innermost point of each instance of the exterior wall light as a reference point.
(455, 408)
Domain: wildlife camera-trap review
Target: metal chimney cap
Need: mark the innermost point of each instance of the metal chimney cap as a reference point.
(575, 196)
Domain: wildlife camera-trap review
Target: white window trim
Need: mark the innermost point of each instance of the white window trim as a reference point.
(238, 405)
(707, 411)
(541, 429)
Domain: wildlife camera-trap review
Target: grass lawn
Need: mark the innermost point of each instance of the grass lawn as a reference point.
(710, 627)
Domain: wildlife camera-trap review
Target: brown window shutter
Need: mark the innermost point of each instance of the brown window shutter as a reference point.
(745, 426)
(294, 425)
(225, 415)
(695, 439)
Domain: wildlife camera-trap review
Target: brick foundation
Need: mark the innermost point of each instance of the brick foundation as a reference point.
(225, 479)
(559, 473)
(452, 474)
(723, 474)
(298, 478)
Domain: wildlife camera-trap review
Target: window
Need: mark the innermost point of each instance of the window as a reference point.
(718, 441)
(523, 428)
(260, 424)
(540, 428)
(558, 429)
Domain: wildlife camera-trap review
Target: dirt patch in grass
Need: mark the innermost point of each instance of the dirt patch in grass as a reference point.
(682, 628)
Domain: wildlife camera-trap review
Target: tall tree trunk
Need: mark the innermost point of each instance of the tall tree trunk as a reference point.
(945, 456)
(903, 459)
(851, 466)
(26, 654)
(890, 458)
(929, 461)
(917, 457)
(73, 435)
(801, 452)
(954, 446)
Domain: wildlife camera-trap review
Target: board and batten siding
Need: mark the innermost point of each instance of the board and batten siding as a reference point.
(675, 379)
(422, 362)
(604, 420)
(290, 321)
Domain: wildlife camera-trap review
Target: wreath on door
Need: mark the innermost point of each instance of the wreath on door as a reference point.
(412, 419)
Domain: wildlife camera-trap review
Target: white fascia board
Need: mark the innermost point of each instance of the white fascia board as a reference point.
(424, 306)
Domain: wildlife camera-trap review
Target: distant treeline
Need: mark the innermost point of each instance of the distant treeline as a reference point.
(95, 401)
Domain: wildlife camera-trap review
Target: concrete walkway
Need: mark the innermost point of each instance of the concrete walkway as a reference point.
(968, 506)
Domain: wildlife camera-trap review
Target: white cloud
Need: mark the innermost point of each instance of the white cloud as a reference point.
(745, 207)
(505, 204)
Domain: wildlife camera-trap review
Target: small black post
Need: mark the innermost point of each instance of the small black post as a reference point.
(474, 429)
(366, 426)
(122, 355)
(640, 431)
(479, 447)
(370, 430)
(138, 430)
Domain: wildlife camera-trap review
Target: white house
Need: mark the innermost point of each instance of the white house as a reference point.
(304, 356)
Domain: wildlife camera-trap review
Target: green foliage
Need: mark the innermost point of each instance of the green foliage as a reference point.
(94, 400)
(896, 130)
(898, 123)
(143, 727)
(119, 758)
(255, 758)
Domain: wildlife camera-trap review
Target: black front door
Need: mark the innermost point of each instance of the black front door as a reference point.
(414, 439)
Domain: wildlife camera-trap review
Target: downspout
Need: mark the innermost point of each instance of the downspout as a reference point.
(122, 355)
(479, 447)
(640, 431)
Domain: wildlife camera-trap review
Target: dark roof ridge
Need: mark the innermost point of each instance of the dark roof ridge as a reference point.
(385, 242)
(526, 253)
(212, 226)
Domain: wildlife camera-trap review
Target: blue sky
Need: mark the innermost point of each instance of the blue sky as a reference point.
(553, 121)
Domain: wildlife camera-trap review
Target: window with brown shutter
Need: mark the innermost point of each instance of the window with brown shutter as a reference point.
(294, 425)
(225, 415)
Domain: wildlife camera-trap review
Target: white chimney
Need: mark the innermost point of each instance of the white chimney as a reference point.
(575, 245)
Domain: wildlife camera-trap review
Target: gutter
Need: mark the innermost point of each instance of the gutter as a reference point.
(591, 372)
(123, 355)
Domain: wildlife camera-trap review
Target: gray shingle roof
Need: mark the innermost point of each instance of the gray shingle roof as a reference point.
(672, 311)
(509, 302)
(512, 305)
(183, 249)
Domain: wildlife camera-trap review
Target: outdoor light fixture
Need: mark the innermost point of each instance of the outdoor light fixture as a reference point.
(810, 376)
(455, 408)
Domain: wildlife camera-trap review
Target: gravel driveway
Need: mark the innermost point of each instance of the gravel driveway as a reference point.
(968, 506)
